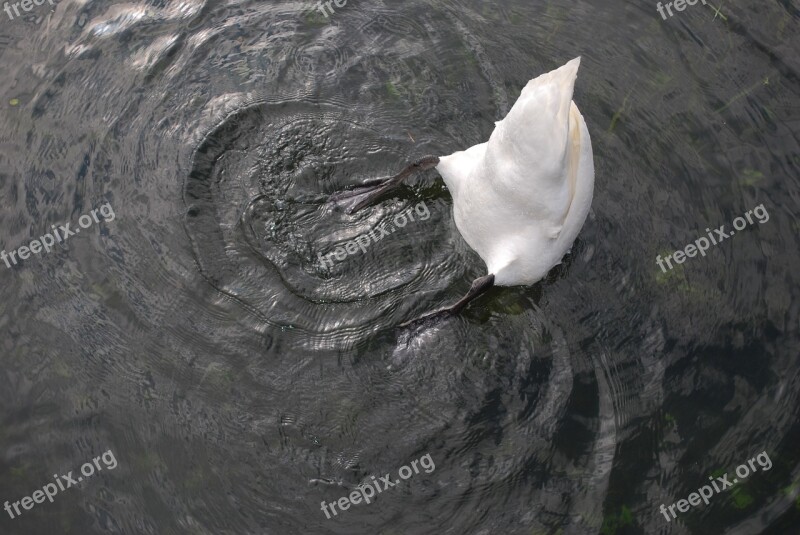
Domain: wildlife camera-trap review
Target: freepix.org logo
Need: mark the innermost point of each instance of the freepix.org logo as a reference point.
(363, 241)
(58, 235)
(26, 6)
(705, 493)
(64, 482)
(702, 244)
(365, 491)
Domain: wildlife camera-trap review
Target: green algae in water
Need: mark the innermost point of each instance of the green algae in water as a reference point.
(661, 79)
(315, 18)
(392, 90)
(718, 473)
(740, 498)
(612, 523)
(618, 114)
(146, 462)
(515, 18)
(19, 471)
(674, 277)
(744, 93)
(751, 177)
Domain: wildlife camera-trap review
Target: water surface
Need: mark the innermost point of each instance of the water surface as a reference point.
(240, 383)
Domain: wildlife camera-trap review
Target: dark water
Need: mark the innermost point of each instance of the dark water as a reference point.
(238, 383)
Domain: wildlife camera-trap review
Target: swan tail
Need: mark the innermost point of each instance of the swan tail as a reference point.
(536, 129)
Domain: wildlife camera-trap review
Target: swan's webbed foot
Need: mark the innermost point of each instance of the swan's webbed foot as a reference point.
(479, 286)
(375, 189)
(355, 199)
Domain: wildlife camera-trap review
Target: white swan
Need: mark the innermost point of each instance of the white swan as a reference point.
(520, 199)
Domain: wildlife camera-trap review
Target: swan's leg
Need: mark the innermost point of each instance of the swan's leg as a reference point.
(479, 286)
(364, 196)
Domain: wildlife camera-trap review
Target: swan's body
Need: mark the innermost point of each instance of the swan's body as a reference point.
(520, 199)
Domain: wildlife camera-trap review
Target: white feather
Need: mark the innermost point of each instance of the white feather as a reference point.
(520, 199)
